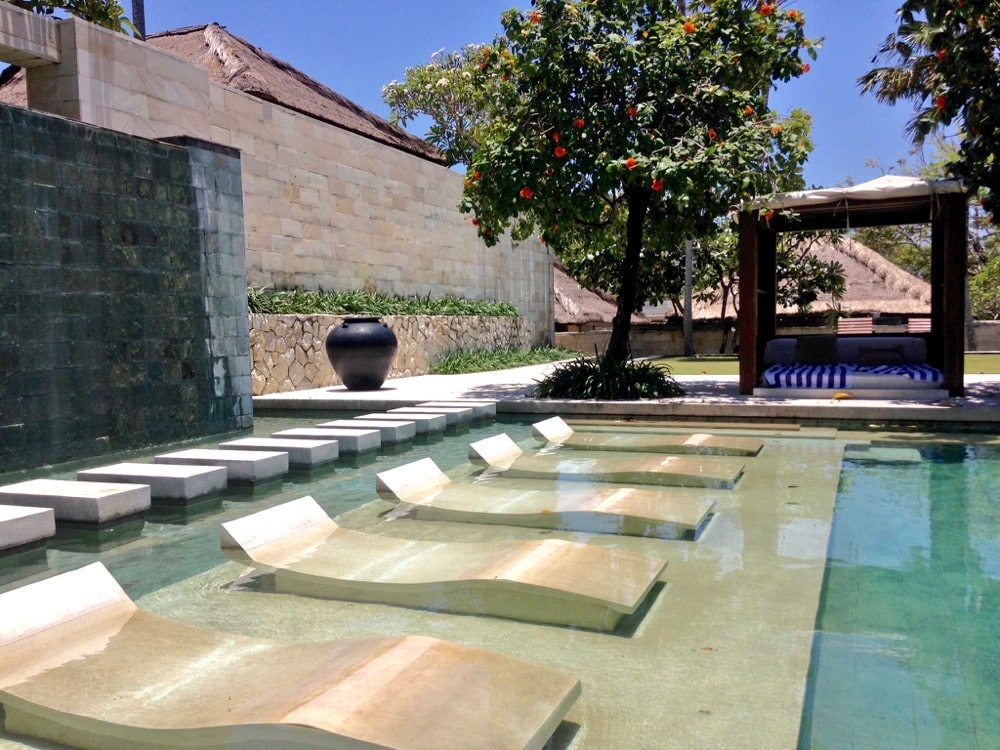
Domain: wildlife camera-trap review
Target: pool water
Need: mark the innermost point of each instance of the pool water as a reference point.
(900, 648)
(908, 649)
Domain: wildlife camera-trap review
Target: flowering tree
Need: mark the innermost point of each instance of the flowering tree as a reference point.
(945, 57)
(632, 117)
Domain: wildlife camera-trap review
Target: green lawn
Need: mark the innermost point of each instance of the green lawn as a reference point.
(975, 364)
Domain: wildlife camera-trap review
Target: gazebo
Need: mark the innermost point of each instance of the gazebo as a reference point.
(886, 201)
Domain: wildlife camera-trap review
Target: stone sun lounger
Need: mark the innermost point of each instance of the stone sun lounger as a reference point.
(81, 664)
(555, 431)
(631, 511)
(550, 581)
(504, 456)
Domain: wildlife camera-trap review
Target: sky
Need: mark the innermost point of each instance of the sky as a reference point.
(357, 46)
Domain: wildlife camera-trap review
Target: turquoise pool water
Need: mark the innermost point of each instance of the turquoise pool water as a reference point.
(908, 649)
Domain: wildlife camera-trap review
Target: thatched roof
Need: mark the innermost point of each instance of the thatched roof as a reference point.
(874, 285)
(235, 62)
(575, 306)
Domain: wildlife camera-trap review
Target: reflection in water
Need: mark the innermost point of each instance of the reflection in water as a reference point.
(908, 655)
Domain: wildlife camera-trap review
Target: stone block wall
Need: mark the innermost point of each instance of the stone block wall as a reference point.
(325, 208)
(288, 351)
(122, 296)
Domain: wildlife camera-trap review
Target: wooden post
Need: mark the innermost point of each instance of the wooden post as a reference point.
(953, 228)
(748, 301)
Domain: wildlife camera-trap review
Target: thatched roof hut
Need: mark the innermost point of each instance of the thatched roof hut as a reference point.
(235, 62)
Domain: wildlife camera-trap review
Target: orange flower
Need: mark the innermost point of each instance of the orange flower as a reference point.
(794, 16)
(579, 122)
(806, 67)
(630, 163)
(712, 134)
(775, 129)
(535, 17)
(657, 184)
(475, 174)
(766, 9)
(941, 102)
(560, 152)
(689, 27)
(475, 222)
(555, 137)
(748, 110)
(527, 193)
(941, 55)
(769, 215)
(633, 111)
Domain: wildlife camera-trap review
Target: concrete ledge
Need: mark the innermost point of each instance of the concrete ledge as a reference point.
(300, 452)
(242, 466)
(86, 502)
(392, 431)
(167, 481)
(20, 526)
(349, 441)
(27, 39)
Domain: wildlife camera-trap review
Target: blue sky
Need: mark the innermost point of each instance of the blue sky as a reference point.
(357, 46)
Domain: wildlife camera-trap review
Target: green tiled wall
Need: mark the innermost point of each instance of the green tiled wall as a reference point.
(123, 318)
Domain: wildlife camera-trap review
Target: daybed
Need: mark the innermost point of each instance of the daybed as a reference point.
(858, 365)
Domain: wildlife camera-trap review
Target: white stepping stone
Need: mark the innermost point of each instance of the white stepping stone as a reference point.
(300, 452)
(349, 441)
(481, 409)
(425, 423)
(20, 526)
(166, 481)
(242, 466)
(393, 431)
(87, 502)
(455, 414)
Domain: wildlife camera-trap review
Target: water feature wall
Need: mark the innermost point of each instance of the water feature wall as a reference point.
(288, 352)
(122, 291)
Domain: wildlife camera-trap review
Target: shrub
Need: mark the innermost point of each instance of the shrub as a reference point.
(608, 379)
(496, 359)
(298, 302)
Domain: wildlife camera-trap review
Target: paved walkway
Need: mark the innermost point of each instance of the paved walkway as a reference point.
(713, 398)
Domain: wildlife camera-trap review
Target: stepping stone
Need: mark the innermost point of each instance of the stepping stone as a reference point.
(20, 526)
(882, 454)
(425, 423)
(393, 431)
(455, 414)
(166, 481)
(349, 442)
(86, 502)
(300, 452)
(480, 409)
(242, 466)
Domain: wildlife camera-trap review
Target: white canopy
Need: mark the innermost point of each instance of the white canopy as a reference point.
(883, 188)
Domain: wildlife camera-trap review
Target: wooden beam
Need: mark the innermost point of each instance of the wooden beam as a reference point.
(748, 301)
(954, 230)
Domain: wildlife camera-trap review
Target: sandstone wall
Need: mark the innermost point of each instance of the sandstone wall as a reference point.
(324, 208)
(288, 351)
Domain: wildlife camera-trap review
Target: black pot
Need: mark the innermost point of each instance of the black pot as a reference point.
(361, 350)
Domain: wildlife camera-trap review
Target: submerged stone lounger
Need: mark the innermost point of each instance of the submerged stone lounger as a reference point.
(631, 511)
(502, 454)
(550, 581)
(80, 664)
(555, 431)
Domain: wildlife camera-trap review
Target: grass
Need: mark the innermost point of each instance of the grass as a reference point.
(975, 364)
(498, 359)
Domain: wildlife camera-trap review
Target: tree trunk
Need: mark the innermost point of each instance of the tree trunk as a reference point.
(637, 200)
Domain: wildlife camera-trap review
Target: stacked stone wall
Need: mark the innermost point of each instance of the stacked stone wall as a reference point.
(288, 351)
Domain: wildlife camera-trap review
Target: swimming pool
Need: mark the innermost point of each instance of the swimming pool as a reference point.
(720, 655)
(908, 654)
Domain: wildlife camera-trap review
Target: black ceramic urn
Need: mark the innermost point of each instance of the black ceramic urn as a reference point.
(361, 350)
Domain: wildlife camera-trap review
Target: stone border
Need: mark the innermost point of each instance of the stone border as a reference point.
(288, 351)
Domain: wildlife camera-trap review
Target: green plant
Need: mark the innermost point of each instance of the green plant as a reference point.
(608, 379)
(106, 13)
(298, 302)
(496, 359)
